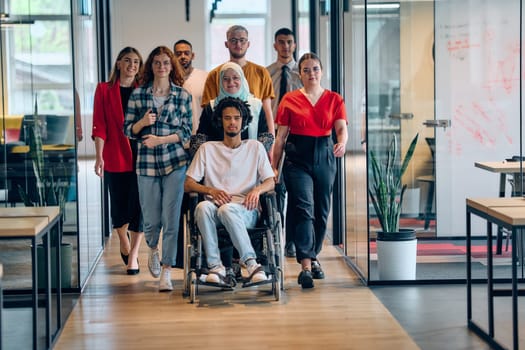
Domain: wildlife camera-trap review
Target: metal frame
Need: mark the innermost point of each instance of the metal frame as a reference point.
(489, 336)
(51, 336)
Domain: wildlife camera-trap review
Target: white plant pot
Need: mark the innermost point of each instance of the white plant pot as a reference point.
(396, 260)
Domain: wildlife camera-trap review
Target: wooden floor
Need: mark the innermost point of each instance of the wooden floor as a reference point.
(117, 311)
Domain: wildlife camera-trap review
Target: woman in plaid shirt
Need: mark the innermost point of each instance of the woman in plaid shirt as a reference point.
(159, 115)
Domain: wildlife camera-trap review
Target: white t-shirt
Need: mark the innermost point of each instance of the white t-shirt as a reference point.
(195, 86)
(234, 170)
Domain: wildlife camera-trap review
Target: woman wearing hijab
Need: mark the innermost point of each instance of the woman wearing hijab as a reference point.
(233, 84)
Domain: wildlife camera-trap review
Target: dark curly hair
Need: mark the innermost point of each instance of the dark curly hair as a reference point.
(240, 105)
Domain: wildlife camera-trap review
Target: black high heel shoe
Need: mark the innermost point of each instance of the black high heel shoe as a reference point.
(134, 271)
(125, 258)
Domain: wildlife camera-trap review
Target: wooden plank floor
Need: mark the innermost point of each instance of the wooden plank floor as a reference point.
(117, 311)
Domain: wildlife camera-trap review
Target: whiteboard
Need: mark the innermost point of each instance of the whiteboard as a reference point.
(477, 87)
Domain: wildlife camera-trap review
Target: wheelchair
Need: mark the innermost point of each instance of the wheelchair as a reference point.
(266, 239)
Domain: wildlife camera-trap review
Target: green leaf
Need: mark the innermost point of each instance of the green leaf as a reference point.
(386, 189)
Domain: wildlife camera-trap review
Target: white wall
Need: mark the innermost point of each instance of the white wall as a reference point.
(148, 24)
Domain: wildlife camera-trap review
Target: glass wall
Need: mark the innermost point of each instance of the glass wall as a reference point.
(448, 72)
(356, 238)
(91, 237)
(47, 83)
(37, 92)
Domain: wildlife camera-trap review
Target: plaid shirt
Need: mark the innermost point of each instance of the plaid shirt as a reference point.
(175, 118)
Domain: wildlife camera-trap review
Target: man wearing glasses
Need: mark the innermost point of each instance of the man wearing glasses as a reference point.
(259, 79)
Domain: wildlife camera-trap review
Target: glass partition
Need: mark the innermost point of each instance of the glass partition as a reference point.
(356, 238)
(48, 75)
(37, 92)
(91, 238)
(448, 72)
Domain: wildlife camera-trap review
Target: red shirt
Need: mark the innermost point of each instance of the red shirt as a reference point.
(296, 112)
(108, 124)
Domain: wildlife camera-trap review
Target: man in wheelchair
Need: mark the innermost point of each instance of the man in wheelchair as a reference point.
(234, 173)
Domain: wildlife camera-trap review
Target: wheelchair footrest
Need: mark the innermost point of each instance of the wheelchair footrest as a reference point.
(218, 285)
(247, 283)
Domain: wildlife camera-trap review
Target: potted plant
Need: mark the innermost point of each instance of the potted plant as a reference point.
(396, 248)
(48, 191)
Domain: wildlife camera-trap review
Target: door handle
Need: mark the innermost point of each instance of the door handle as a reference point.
(432, 123)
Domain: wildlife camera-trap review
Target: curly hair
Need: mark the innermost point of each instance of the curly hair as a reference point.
(176, 74)
(240, 105)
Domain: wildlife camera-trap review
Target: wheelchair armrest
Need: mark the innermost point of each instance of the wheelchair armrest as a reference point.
(268, 202)
(193, 200)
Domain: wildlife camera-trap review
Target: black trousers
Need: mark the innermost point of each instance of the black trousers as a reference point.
(309, 173)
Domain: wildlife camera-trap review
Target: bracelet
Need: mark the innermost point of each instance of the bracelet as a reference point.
(363, 141)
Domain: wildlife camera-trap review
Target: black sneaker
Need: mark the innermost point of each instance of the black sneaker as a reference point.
(290, 250)
(317, 271)
(305, 279)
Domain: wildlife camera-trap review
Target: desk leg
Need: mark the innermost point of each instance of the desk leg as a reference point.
(514, 290)
(490, 283)
(47, 254)
(59, 277)
(469, 269)
(499, 240)
(34, 293)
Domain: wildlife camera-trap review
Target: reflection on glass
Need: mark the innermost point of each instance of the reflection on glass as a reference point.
(38, 160)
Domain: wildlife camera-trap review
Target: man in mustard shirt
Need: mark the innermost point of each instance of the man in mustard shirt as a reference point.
(258, 77)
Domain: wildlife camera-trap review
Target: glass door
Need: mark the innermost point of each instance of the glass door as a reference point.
(399, 98)
(478, 92)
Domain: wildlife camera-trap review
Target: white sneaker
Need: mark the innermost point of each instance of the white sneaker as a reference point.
(154, 262)
(213, 274)
(165, 280)
(258, 276)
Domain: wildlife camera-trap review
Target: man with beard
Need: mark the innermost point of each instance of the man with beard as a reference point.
(194, 78)
(259, 79)
(235, 173)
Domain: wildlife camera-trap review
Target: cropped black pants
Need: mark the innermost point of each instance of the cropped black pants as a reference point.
(309, 173)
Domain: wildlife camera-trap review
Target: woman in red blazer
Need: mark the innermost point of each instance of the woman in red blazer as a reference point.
(116, 154)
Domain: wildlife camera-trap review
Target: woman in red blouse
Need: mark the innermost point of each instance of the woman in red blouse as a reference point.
(306, 118)
(116, 155)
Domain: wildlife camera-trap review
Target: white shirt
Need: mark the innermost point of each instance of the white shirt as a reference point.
(195, 86)
(234, 170)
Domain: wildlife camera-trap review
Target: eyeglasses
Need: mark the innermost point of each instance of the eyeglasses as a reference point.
(241, 41)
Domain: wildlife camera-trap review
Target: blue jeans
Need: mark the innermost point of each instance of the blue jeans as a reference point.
(161, 200)
(235, 218)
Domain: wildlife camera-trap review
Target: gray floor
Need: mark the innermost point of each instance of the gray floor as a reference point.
(435, 316)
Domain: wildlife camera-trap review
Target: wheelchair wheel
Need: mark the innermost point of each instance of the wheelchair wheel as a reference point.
(279, 248)
(193, 286)
(187, 258)
(276, 285)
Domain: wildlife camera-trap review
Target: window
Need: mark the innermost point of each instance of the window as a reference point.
(37, 57)
(251, 14)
